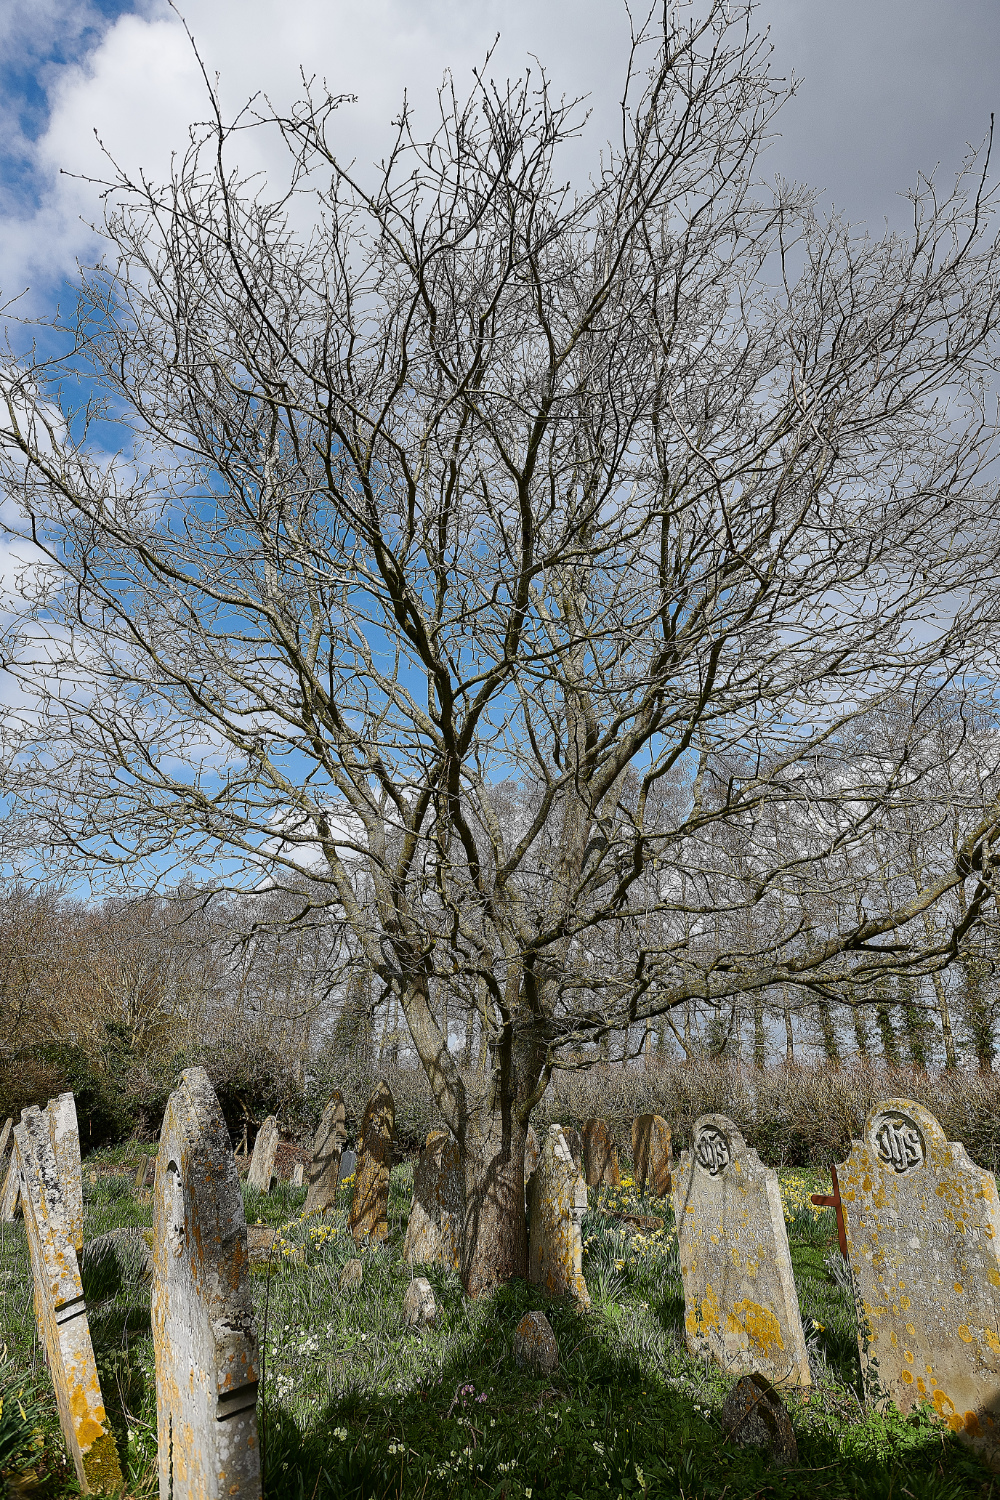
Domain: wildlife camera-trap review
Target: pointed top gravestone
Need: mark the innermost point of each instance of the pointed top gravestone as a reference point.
(204, 1332)
(651, 1155)
(434, 1228)
(328, 1147)
(265, 1148)
(557, 1202)
(922, 1224)
(370, 1201)
(740, 1302)
(600, 1157)
(64, 1133)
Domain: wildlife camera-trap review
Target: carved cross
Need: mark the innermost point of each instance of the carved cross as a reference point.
(822, 1200)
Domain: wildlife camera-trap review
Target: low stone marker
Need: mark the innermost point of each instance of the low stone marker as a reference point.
(600, 1155)
(60, 1310)
(651, 1154)
(739, 1296)
(348, 1165)
(370, 1202)
(328, 1147)
(753, 1415)
(557, 1202)
(204, 1333)
(265, 1148)
(922, 1224)
(419, 1309)
(64, 1132)
(535, 1347)
(434, 1228)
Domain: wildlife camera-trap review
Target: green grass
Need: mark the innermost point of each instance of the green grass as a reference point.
(359, 1407)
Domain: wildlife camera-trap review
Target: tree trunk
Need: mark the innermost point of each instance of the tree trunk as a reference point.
(495, 1234)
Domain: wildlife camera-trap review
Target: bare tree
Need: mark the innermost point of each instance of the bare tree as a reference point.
(442, 536)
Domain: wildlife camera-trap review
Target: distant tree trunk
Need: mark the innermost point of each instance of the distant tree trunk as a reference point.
(915, 1027)
(944, 1011)
(975, 971)
(789, 1037)
(759, 1033)
(890, 1044)
(828, 1032)
(862, 1032)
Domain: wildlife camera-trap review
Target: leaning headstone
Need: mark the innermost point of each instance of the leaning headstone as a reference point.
(204, 1333)
(370, 1202)
(419, 1310)
(574, 1141)
(328, 1146)
(434, 1228)
(739, 1296)
(64, 1133)
(922, 1225)
(10, 1198)
(60, 1310)
(600, 1155)
(651, 1154)
(298, 1174)
(753, 1415)
(265, 1147)
(535, 1347)
(557, 1202)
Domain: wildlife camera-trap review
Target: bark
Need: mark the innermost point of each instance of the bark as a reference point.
(495, 1235)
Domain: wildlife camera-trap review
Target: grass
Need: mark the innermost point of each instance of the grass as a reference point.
(359, 1407)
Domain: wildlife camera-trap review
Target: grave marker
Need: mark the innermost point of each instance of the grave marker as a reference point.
(328, 1146)
(60, 1310)
(265, 1148)
(557, 1202)
(204, 1333)
(64, 1132)
(574, 1141)
(922, 1224)
(600, 1156)
(739, 1296)
(6, 1141)
(370, 1201)
(651, 1154)
(10, 1199)
(434, 1228)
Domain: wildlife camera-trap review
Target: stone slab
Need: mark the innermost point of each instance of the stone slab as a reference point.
(60, 1309)
(651, 1155)
(265, 1148)
(600, 1155)
(535, 1346)
(434, 1228)
(204, 1332)
(753, 1415)
(298, 1174)
(557, 1202)
(6, 1141)
(740, 1302)
(370, 1200)
(328, 1148)
(64, 1133)
(922, 1224)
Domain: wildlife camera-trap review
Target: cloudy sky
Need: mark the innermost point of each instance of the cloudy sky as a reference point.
(889, 88)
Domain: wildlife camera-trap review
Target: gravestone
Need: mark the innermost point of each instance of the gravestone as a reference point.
(352, 1275)
(434, 1228)
(753, 1415)
(298, 1175)
(328, 1146)
(922, 1224)
(348, 1165)
(557, 1202)
(60, 1310)
(370, 1201)
(740, 1303)
(535, 1347)
(10, 1198)
(204, 1333)
(64, 1133)
(600, 1155)
(574, 1141)
(6, 1141)
(265, 1148)
(651, 1154)
(419, 1308)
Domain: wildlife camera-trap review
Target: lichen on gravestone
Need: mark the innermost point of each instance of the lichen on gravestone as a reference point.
(600, 1155)
(265, 1147)
(740, 1303)
(651, 1155)
(204, 1331)
(535, 1348)
(10, 1197)
(64, 1132)
(557, 1202)
(370, 1200)
(328, 1147)
(434, 1228)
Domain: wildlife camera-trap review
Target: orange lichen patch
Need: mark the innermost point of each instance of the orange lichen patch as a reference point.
(906, 1376)
(761, 1327)
(965, 1333)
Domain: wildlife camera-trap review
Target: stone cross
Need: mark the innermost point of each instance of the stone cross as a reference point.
(557, 1202)
(328, 1146)
(600, 1156)
(740, 1303)
(369, 1216)
(922, 1224)
(265, 1148)
(204, 1333)
(60, 1310)
(64, 1133)
(651, 1154)
(434, 1228)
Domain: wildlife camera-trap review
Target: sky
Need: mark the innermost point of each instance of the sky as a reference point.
(888, 88)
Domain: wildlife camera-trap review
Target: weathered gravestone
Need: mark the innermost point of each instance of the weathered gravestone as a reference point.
(204, 1333)
(535, 1347)
(740, 1304)
(651, 1154)
(753, 1415)
(600, 1155)
(10, 1198)
(60, 1310)
(434, 1228)
(370, 1201)
(6, 1141)
(923, 1236)
(265, 1148)
(298, 1175)
(328, 1146)
(557, 1202)
(574, 1141)
(64, 1132)
(419, 1308)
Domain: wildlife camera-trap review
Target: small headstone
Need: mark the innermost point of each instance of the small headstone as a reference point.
(419, 1310)
(204, 1333)
(535, 1347)
(434, 1228)
(651, 1154)
(298, 1174)
(600, 1155)
(60, 1309)
(922, 1225)
(352, 1275)
(64, 1132)
(265, 1147)
(754, 1416)
(574, 1141)
(370, 1203)
(739, 1296)
(328, 1147)
(260, 1243)
(10, 1198)
(557, 1202)
(348, 1165)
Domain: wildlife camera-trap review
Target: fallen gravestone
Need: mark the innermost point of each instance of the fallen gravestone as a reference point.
(600, 1156)
(370, 1201)
(265, 1147)
(739, 1295)
(64, 1133)
(922, 1224)
(352, 1275)
(651, 1155)
(754, 1416)
(535, 1347)
(419, 1310)
(204, 1333)
(574, 1141)
(60, 1310)
(557, 1202)
(434, 1228)
(328, 1147)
